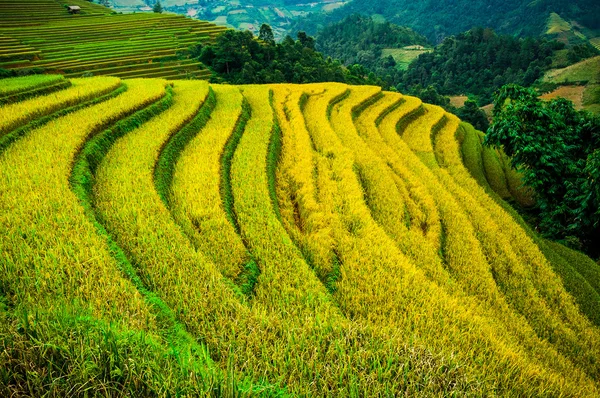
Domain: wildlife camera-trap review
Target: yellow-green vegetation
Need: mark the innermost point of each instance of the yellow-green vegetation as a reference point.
(491, 167)
(42, 34)
(591, 98)
(587, 71)
(25, 83)
(418, 132)
(20, 113)
(197, 187)
(404, 56)
(556, 24)
(568, 32)
(179, 238)
(20, 88)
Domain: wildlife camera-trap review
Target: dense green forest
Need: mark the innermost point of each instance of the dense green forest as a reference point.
(361, 40)
(440, 19)
(475, 63)
(478, 62)
(563, 168)
(239, 58)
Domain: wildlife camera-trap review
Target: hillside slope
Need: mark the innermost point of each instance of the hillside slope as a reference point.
(439, 19)
(362, 40)
(586, 74)
(42, 34)
(179, 238)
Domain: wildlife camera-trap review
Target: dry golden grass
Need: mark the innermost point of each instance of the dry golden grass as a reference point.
(458, 101)
(572, 93)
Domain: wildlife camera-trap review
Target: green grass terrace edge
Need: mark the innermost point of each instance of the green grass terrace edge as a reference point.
(248, 277)
(335, 101)
(12, 136)
(171, 151)
(360, 108)
(9, 99)
(28, 91)
(82, 181)
(165, 169)
(274, 156)
(389, 110)
(408, 119)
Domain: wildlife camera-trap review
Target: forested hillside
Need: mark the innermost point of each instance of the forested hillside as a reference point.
(478, 62)
(361, 40)
(442, 18)
(239, 58)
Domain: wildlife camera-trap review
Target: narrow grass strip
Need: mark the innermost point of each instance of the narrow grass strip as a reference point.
(273, 158)
(226, 161)
(289, 284)
(359, 109)
(196, 199)
(334, 102)
(389, 110)
(170, 153)
(297, 187)
(14, 135)
(16, 85)
(82, 182)
(414, 111)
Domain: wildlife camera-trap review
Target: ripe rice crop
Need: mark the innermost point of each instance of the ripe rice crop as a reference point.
(196, 193)
(191, 239)
(20, 113)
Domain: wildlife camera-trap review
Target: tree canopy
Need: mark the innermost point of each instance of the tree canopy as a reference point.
(440, 19)
(238, 58)
(479, 62)
(360, 40)
(558, 150)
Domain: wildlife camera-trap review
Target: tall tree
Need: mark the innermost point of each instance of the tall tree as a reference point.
(157, 8)
(266, 34)
(558, 150)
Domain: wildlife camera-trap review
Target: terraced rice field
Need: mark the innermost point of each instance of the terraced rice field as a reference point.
(42, 34)
(179, 238)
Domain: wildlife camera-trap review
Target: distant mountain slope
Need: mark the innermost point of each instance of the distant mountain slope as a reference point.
(361, 40)
(441, 18)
